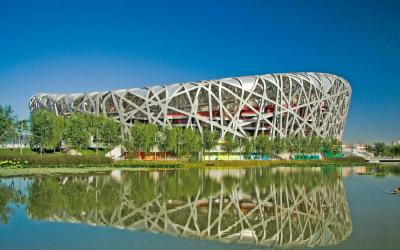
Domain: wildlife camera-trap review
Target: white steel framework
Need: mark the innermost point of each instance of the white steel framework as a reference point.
(273, 104)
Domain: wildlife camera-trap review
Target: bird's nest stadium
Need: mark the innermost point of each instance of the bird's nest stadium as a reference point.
(284, 104)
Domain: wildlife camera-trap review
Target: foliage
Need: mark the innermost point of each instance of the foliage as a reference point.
(332, 145)
(54, 159)
(7, 123)
(76, 133)
(12, 163)
(143, 137)
(165, 140)
(229, 143)
(209, 140)
(263, 145)
(191, 142)
(278, 145)
(46, 129)
(7, 195)
(379, 148)
(247, 145)
(109, 133)
(382, 149)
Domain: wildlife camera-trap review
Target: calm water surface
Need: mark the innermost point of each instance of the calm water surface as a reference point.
(259, 208)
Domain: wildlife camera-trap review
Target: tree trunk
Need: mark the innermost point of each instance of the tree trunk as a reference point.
(97, 140)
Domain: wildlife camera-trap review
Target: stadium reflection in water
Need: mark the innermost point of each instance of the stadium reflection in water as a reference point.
(271, 207)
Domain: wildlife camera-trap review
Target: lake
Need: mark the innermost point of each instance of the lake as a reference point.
(249, 208)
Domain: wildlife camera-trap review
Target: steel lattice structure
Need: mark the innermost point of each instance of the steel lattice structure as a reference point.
(272, 104)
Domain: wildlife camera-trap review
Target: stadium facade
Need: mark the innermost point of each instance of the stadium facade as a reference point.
(273, 104)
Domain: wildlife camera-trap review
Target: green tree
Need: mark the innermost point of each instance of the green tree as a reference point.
(210, 140)
(22, 127)
(46, 129)
(95, 124)
(109, 133)
(394, 150)
(191, 141)
(278, 145)
(379, 148)
(164, 140)
(248, 145)
(143, 137)
(291, 144)
(177, 140)
(76, 133)
(229, 144)
(263, 145)
(315, 144)
(7, 120)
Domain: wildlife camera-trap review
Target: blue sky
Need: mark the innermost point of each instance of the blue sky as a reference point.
(75, 46)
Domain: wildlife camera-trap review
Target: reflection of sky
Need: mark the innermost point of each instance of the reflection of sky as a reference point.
(23, 233)
(374, 212)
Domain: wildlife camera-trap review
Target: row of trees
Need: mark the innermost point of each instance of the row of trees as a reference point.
(382, 149)
(47, 131)
(186, 141)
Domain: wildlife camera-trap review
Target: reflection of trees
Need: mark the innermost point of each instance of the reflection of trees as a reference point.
(8, 195)
(251, 206)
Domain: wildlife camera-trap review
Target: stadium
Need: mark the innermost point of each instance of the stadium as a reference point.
(299, 104)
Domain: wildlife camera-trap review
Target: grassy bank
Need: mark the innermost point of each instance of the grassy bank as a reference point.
(34, 159)
(59, 163)
(12, 172)
(346, 161)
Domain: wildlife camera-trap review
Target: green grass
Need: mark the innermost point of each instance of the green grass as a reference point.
(101, 152)
(35, 159)
(5, 152)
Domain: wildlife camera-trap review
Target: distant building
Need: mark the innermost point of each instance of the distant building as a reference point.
(357, 149)
(396, 142)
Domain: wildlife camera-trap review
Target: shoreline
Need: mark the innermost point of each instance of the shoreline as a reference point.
(136, 165)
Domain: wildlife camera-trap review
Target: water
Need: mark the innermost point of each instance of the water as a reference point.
(259, 208)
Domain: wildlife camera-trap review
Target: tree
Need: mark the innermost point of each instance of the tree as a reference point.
(263, 145)
(315, 144)
(248, 145)
(95, 123)
(109, 133)
(21, 129)
(76, 133)
(46, 129)
(379, 148)
(191, 141)
(177, 138)
(229, 143)
(395, 150)
(165, 141)
(143, 137)
(7, 120)
(210, 140)
(291, 144)
(278, 145)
